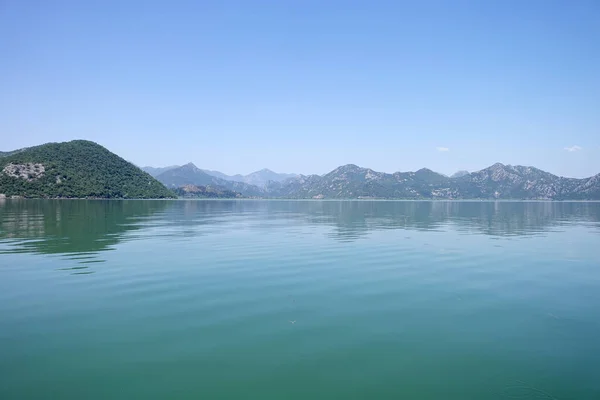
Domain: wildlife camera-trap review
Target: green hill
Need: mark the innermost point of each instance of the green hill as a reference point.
(76, 169)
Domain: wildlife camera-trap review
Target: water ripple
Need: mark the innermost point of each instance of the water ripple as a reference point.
(365, 299)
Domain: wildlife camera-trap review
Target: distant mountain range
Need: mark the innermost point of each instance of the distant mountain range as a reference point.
(459, 174)
(189, 174)
(193, 191)
(82, 168)
(258, 178)
(498, 181)
(157, 171)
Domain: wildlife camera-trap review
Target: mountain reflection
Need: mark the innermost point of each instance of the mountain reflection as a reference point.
(354, 219)
(81, 229)
(351, 220)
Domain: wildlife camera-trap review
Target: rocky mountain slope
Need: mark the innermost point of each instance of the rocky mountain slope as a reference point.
(189, 174)
(496, 182)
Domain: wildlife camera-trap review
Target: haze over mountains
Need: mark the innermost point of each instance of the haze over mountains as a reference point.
(85, 169)
(458, 174)
(159, 170)
(189, 174)
(258, 178)
(498, 181)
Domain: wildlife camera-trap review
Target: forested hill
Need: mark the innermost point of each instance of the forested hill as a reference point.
(76, 169)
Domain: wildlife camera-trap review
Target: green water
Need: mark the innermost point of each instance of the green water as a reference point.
(391, 300)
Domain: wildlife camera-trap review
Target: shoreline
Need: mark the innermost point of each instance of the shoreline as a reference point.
(305, 199)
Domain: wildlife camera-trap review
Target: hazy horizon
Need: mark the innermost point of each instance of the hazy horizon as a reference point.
(243, 173)
(306, 87)
(325, 172)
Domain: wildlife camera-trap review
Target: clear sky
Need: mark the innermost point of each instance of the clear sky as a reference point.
(305, 86)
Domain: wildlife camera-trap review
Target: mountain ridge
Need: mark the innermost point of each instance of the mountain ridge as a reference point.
(498, 181)
(85, 169)
(460, 173)
(155, 171)
(257, 178)
(190, 174)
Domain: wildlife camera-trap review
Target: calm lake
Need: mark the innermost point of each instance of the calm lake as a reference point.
(299, 300)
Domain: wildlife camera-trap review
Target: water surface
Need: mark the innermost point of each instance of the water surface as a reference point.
(299, 299)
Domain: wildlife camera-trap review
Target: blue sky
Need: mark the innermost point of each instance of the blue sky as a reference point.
(305, 86)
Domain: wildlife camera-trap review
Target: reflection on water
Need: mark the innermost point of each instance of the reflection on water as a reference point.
(398, 300)
(78, 229)
(88, 227)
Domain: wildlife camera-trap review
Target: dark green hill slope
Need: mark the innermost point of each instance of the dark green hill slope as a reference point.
(75, 169)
